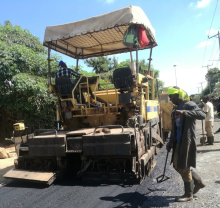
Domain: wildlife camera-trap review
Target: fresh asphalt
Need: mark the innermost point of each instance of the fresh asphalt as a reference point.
(72, 193)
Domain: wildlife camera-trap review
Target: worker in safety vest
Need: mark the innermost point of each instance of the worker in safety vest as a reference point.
(182, 140)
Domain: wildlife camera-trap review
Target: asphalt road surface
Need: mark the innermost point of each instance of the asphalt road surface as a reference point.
(72, 193)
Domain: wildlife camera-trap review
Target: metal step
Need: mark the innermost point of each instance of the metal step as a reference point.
(33, 176)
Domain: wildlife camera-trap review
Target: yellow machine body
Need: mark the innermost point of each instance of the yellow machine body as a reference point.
(107, 135)
(151, 107)
(100, 114)
(166, 110)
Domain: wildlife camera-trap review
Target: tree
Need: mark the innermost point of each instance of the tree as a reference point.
(102, 81)
(163, 89)
(24, 93)
(102, 64)
(212, 77)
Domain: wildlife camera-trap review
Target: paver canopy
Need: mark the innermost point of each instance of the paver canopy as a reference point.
(98, 36)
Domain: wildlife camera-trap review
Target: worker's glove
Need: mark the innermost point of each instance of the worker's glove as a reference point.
(169, 146)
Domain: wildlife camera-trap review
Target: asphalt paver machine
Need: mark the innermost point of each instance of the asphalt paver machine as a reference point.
(107, 135)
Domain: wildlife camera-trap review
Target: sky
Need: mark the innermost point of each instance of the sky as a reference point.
(182, 29)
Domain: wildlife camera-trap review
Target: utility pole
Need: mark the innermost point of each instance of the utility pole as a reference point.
(208, 77)
(201, 87)
(198, 89)
(218, 34)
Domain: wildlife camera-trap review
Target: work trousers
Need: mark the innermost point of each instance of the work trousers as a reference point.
(209, 128)
(186, 173)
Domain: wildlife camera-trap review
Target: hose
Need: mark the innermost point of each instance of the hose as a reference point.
(84, 168)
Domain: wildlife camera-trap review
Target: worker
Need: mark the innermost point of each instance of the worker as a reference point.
(182, 140)
(209, 120)
(65, 71)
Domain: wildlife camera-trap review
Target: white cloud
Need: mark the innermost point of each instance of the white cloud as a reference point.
(211, 32)
(202, 3)
(204, 44)
(109, 1)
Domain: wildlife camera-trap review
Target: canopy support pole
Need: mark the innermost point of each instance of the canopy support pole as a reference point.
(131, 56)
(137, 66)
(77, 64)
(150, 60)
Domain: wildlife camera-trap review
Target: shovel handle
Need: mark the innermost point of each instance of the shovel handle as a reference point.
(165, 163)
(202, 128)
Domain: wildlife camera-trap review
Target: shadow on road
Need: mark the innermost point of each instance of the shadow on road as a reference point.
(66, 181)
(74, 181)
(205, 151)
(26, 184)
(217, 182)
(135, 199)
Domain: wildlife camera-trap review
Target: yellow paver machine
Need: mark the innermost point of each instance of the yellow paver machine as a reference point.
(109, 135)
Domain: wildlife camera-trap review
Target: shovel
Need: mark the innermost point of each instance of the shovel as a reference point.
(202, 139)
(163, 178)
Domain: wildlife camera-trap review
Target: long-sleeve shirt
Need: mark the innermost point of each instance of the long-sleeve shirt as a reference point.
(208, 109)
(66, 72)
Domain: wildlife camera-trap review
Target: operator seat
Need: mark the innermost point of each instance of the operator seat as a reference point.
(123, 79)
(64, 86)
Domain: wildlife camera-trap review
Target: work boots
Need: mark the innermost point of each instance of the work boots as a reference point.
(197, 181)
(210, 140)
(189, 186)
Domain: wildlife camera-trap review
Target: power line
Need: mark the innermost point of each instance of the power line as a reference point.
(209, 31)
(213, 48)
(213, 16)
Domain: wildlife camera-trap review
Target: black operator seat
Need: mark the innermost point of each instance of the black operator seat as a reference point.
(123, 78)
(64, 86)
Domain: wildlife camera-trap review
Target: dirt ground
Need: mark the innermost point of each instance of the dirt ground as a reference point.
(7, 164)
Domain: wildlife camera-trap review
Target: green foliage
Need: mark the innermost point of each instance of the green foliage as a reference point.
(102, 64)
(74, 68)
(15, 35)
(212, 76)
(24, 92)
(102, 81)
(86, 73)
(163, 89)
